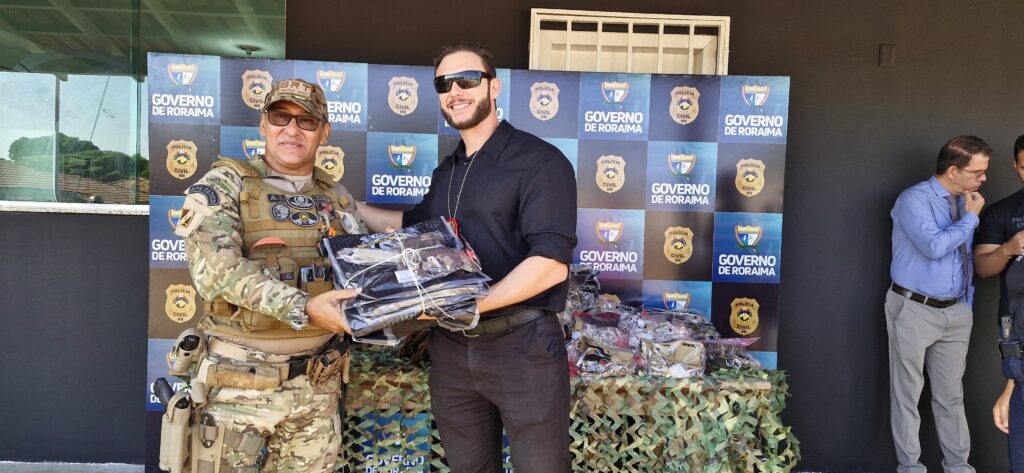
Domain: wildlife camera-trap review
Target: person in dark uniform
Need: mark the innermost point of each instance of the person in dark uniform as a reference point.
(512, 196)
(1000, 241)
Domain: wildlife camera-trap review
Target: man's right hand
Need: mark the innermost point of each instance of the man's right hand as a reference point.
(973, 202)
(1014, 246)
(327, 311)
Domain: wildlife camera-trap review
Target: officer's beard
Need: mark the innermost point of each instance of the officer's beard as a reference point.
(483, 109)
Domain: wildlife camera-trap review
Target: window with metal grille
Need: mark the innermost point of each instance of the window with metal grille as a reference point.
(576, 40)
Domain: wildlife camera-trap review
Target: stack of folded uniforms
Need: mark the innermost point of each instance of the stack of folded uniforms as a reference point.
(410, 279)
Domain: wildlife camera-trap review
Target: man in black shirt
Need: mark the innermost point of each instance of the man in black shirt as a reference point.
(999, 241)
(512, 196)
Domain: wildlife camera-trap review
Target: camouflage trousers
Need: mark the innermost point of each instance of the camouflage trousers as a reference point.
(299, 423)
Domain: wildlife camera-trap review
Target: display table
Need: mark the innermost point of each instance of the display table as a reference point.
(729, 422)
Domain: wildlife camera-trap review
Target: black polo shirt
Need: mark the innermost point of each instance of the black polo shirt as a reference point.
(519, 200)
(999, 222)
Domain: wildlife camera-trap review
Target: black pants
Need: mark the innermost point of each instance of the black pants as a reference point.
(517, 379)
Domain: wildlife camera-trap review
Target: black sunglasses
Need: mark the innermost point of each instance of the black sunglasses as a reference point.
(465, 79)
(283, 118)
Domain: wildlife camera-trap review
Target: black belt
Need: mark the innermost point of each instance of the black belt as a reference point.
(921, 298)
(299, 365)
(504, 322)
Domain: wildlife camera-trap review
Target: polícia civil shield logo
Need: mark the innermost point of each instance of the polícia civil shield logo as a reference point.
(402, 95)
(748, 236)
(744, 318)
(675, 300)
(682, 164)
(182, 74)
(750, 176)
(544, 100)
(609, 232)
(755, 95)
(182, 159)
(401, 156)
(180, 305)
(331, 159)
(678, 244)
(614, 92)
(255, 85)
(253, 148)
(685, 105)
(331, 81)
(611, 173)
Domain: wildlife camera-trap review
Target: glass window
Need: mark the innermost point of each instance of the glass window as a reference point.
(73, 124)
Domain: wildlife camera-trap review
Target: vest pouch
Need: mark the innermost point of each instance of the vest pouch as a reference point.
(253, 321)
(315, 288)
(288, 271)
(283, 268)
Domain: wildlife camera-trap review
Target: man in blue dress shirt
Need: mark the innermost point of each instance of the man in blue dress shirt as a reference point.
(928, 306)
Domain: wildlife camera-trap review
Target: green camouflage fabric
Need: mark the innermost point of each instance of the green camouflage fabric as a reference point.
(300, 422)
(304, 94)
(211, 226)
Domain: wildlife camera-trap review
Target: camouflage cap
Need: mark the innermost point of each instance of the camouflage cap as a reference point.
(304, 94)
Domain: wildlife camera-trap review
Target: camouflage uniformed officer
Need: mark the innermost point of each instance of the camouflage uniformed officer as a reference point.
(250, 231)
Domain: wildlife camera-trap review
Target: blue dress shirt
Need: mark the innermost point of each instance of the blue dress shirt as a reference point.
(925, 258)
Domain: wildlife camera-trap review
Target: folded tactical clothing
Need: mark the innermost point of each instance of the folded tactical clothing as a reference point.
(422, 269)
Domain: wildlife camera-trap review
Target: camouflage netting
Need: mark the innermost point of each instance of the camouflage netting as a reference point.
(728, 422)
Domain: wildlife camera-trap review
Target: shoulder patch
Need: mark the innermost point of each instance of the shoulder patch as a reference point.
(212, 199)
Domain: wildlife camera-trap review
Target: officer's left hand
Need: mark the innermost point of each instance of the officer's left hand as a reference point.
(1001, 411)
(327, 310)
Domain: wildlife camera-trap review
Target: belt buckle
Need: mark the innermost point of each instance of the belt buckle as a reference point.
(465, 333)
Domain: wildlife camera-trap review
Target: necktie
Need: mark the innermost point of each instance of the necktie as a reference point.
(954, 214)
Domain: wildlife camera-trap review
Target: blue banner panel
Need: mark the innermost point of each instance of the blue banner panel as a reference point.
(747, 311)
(343, 157)
(402, 99)
(750, 177)
(679, 295)
(399, 167)
(244, 84)
(179, 155)
(748, 247)
(678, 245)
(174, 303)
(610, 174)
(546, 103)
(344, 87)
(611, 241)
(184, 89)
(166, 250)
(614, 106)
(681, 176)
(156, 367)
(684, 108)
(754, 109)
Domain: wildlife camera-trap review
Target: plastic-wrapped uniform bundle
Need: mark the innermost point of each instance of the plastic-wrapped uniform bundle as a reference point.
(424, 269)
(601, 347)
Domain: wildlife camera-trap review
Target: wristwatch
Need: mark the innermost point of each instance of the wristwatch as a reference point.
(297, 316)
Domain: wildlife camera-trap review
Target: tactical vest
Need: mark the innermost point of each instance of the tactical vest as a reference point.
(274, 215)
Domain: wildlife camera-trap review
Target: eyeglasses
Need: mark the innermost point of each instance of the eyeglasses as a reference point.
(465, 79)
(283, 118)
(978, 173)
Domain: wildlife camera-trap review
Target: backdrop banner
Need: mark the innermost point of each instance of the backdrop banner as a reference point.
(679, 177)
